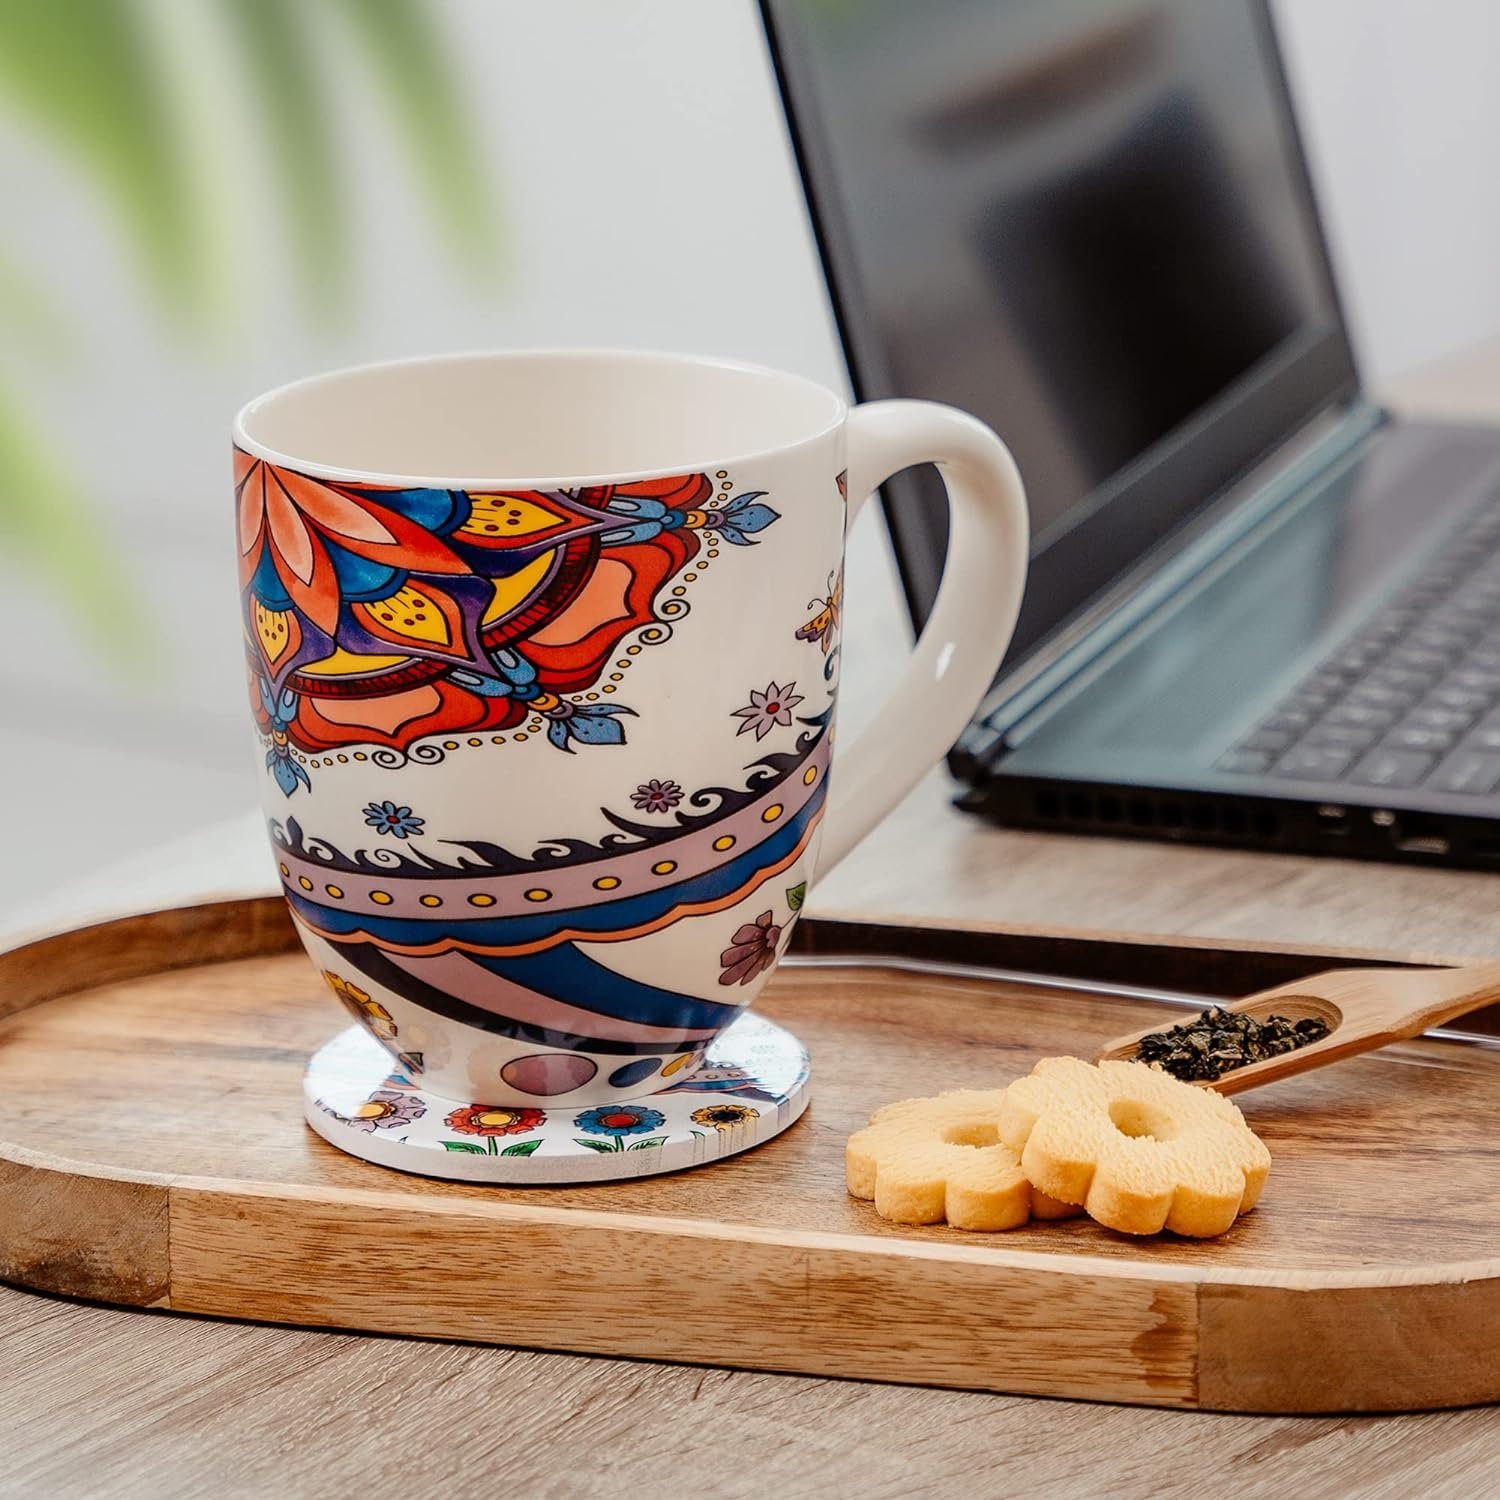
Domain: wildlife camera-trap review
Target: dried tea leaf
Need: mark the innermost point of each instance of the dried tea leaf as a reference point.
(1218, 1041)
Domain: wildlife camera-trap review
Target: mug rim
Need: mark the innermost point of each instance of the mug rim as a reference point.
(399, 479)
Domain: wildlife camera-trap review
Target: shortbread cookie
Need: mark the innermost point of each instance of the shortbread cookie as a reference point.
(926, 1160)
(1138, 1149)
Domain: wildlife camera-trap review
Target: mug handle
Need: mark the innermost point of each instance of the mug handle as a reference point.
(960, 648)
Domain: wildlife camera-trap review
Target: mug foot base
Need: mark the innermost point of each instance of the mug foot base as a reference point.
(752, 1085)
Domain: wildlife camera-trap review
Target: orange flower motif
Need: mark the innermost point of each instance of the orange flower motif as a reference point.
(381, 616)
(368, 1012)
(294, 519)
(487, 1119)
(725, 1116)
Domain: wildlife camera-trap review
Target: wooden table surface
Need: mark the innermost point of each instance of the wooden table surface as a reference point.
(96, 1400)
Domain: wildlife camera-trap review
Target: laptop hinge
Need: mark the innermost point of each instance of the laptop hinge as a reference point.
(1257, 500)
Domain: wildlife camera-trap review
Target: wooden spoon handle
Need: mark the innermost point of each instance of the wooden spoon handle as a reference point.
(1468, 989)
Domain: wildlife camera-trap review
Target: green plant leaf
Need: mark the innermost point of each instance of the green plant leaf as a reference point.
(468, 1147)
(403, 50)
(101, 83)
(86, 75)
(41, 510)
(522, 1148)
(652, 1144)
(276, 47)
(579, 1140)
(30, 317)
(796, 895)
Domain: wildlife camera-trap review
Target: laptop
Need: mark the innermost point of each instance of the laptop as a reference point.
(1262, 612)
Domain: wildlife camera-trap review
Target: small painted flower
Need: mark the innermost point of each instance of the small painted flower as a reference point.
(485, 1119)
(588, 723)
(657, 796)
(744, 515)
(725, 1116)
(383, 1110)
(766, 710)
(359, 1005)
(399, 822)
(286, 770)
(619, 1119)
(751, 951)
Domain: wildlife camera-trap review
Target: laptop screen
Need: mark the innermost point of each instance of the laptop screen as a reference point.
(1087, 222)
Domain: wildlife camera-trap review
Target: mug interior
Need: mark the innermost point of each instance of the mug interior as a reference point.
(465, 420)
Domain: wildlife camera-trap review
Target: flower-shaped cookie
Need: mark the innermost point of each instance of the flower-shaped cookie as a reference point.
(926, 1160)
(1139, 1149)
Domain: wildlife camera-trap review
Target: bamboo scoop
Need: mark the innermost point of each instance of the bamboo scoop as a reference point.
(1363, 1008)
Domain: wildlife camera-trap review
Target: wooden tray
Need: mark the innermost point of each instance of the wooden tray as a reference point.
(152, 1153)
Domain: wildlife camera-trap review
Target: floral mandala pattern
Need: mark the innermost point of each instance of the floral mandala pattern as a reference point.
(370, 1013)
(377, 616)
(383, 1110)
(751, 950)
(618, 1121)
(656, 796)
(724, 1116)
(500, 928)
(376, 1019)
(399, 822)
(756, 1072)
(491, 1123)
(486, 1119)
(766, 710)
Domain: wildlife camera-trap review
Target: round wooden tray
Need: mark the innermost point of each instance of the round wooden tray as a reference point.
(152, 1152)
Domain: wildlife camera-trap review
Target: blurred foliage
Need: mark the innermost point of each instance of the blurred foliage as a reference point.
(96, 81)
(404, 56)
(81, 73)
(415, 82)
(42, 511)
(29, 322)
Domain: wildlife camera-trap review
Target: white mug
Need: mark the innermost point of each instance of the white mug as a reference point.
(543, 653)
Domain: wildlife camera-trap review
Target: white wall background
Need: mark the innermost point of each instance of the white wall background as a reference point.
(1400, 105)
(651, 200)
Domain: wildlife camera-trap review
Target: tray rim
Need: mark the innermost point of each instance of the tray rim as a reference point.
(956, 1251)
(1182, 1335)
(265, 938)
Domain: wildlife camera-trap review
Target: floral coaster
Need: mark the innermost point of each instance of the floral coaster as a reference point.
(752, 1086)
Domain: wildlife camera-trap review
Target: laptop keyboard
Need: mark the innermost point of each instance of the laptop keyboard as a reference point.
(1412, 697)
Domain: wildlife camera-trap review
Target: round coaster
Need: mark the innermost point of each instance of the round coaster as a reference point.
(752, 1086)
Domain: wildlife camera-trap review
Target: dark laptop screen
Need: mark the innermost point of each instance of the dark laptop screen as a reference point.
(1086, 221)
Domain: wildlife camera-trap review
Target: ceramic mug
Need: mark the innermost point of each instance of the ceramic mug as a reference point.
(543, 654)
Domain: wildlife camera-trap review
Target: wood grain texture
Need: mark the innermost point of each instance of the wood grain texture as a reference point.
(83, 1234)
(1361, 1009)
(929, 862)
(190, 1082)
(694, 1292)
(138, 1406)
(150, 943)
(129, 1404)
(1339, 1339)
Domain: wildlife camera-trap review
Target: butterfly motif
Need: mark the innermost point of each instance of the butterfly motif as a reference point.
(824, 626)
